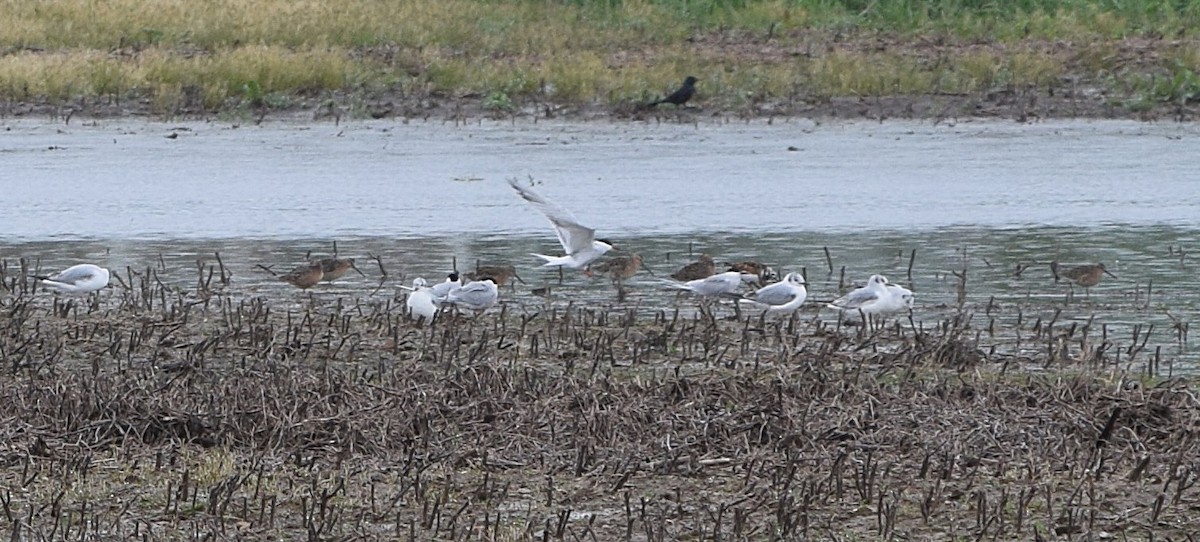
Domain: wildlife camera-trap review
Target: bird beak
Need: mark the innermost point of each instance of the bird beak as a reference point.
(355, 267)
(647, 268)
(519, 279)
(1109, 274)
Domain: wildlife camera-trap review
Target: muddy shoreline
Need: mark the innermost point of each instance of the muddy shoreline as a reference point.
(1028, 105)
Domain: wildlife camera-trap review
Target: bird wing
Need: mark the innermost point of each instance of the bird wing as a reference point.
(857, 299)
(573, 235)
(776, 294)
(475, 293)
(74, 274)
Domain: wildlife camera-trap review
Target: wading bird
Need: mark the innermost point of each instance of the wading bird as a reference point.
(1083, 275)
(700, 269)
(577, 240)
(334, 268)
(500, 274)
(77, 279)
(305, 276)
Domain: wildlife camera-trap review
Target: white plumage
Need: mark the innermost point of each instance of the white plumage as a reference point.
(78, 279)
(578, 241)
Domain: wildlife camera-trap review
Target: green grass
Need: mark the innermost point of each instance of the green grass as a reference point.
(232, 53)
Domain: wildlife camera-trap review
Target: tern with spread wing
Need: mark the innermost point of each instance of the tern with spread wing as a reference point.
(578, 241)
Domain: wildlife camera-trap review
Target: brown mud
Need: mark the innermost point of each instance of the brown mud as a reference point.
(197, 413)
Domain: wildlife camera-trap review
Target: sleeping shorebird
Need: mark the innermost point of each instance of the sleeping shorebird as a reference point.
(77, 279)
(700, 269)
(305, 276)
(333, 268)
(578, 241)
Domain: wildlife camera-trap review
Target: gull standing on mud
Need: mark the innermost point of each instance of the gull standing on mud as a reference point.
(441, 290)
(720, 284)
(876, 298)
(78, 279)
(477, 296)
(577, 240)
(782, 297)
(420, 302)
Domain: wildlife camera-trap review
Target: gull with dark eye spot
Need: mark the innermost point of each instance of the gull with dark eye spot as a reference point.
(877, 298)
(782, 297)
(578, 241)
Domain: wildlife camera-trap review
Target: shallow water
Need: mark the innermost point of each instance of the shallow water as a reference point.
(980, 196)
(129, 180)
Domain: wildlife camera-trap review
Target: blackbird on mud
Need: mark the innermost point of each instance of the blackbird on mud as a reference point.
(681, 95)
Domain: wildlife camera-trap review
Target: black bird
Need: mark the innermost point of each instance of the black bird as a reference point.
(681, 95)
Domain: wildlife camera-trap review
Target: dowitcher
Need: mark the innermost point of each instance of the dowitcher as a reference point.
(334, 268)
(305, 276)
(700, 269)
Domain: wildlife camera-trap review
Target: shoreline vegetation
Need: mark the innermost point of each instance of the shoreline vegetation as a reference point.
(601, 59)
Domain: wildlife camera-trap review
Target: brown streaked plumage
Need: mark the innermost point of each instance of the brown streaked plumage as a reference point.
(500, 274)
(334, 268)
(620, 267)
(1083, 275)
(305, 276)
(701, 269)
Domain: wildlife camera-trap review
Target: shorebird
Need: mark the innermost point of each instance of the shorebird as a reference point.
(77, 279)
(782, 297)
(420, 303)
(620, 268)
(477, 296)
(1083, 275)
(700, 269)
(877, 298)
(333, 268)
(500, 274)
(305, 276)
(577, 240)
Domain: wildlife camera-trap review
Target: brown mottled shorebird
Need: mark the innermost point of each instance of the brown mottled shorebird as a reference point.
(700, 269)
(500, 274)
(1083, 275)
(620, 267)
(334, 268)
(305, 276)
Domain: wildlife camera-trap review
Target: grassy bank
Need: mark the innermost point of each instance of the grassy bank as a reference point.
(752, 58)
(207, 412)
